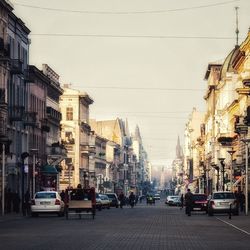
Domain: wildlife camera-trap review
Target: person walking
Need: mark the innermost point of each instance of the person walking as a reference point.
(121, 198)
(182, 201)
(132, 199)
(241, 198)
(26, 203)
(188, 202)
(16, 202)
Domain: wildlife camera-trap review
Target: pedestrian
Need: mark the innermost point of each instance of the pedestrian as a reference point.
(8, 200)
(132, 199)
(182, 201)
(188, 202)
(121, 198)
(237, 197)
(16, 202)
(62, 194)
(27, 203)
(241, 200)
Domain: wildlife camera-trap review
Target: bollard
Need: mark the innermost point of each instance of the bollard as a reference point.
(230, 211)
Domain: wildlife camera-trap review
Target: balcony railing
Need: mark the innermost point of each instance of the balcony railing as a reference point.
(16, 67)
(2, 95)
(44, 125)
(4, 50)
(54, 114)
(16, 113)
(30, 119)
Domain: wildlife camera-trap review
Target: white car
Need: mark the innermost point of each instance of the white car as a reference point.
(170, 199)
(47, 202)
(106, 203)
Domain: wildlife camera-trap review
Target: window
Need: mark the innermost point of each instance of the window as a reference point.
(69, 114)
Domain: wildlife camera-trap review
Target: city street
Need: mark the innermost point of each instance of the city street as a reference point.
(143, 227)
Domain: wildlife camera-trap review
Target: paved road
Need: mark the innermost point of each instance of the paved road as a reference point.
(143, 227)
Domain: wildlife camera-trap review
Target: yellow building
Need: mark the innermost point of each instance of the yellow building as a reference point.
(75, 133)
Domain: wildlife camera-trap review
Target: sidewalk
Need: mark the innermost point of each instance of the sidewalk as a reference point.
(11, 217)
(241, 222)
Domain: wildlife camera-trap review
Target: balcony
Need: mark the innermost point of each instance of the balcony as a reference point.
(16, 113)
(246, 82)
(44, 125)
(226, 139)
(2, 96)
(4, 51)
(54, 114)
(87, 149)
(28, 77)
(16, 67)
(85, 126)
(30, 119)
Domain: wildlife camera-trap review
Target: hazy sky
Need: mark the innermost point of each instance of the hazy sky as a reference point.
(141, 48)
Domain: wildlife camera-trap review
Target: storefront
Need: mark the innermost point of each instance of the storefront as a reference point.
(49, 178)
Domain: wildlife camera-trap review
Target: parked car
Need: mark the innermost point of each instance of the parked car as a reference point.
(113, 199)
(176, 201)
(157, 196)
(105, 201)
(170, 198)
(220, 203)
(98, 202)
(199, 202)
(47, 202)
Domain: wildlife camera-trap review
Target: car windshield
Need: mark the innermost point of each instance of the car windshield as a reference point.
(45, 196)
(112, 196)
(218, 196)
(199, 197)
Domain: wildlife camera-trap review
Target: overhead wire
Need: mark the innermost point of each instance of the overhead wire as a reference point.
(126, 12)
(130, 36)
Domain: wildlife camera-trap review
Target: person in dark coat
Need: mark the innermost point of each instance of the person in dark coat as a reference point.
(8, 200)
(188, 202)
(16, 202)
(241, 198)
(27, 203)
(182, 201)
(121, 198)
(62, 194)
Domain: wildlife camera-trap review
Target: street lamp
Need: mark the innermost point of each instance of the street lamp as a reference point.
(231, 152)
(217, 169)
(246, 141)
(33, 152)
(222, 172)
(23, 156)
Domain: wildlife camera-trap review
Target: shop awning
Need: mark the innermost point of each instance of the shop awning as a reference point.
(49, 169)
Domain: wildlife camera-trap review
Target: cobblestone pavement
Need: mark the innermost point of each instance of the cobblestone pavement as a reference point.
(143, 227)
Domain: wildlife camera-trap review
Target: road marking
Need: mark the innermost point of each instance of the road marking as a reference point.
(242, 230)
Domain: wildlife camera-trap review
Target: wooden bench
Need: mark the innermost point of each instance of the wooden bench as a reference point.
(80, 207)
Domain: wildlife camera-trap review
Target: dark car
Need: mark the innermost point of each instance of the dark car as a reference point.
(199, 202)
(113, 199)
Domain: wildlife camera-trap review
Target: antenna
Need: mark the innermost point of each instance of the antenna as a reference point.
(237, 26)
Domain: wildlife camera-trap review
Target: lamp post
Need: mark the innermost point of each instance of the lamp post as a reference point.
(3, 178)
(217, 169)
(246, 141)
(231, 152)
(222, 172)
(23, 156)
(33, 152)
